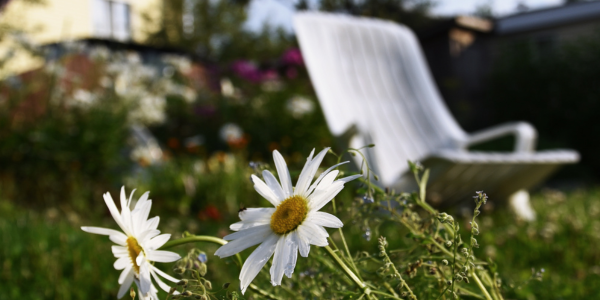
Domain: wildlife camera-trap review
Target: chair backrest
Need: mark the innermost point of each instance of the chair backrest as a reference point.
(372, 74)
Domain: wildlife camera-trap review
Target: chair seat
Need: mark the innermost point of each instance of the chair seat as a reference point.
(556, 156)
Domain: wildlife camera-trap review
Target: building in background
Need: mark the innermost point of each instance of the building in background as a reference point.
(461, 51)
(59, 21)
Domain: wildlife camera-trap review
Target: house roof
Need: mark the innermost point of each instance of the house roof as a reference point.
(442, 26)
(547, 18)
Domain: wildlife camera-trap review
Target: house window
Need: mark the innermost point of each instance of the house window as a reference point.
(111, 19)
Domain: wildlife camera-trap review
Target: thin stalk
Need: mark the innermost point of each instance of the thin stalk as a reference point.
(389, 287)
(454, 258)
(403, 283)
(349, 272)
(481, 287)
(469, 293)
(386, 294)
(443, 292)
(218, 241)
(350, 259)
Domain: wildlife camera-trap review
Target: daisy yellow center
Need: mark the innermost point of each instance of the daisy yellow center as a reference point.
(289, 215)
(134, 250)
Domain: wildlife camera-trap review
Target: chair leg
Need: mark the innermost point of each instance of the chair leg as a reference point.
(519, 202)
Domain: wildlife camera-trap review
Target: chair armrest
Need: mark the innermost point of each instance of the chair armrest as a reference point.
(525, 135)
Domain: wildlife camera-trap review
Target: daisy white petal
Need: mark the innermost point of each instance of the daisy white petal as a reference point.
(327, 181)
(273, 184)
(284, 174)
(249, 214)
(118, 238)
(162, 285)
(279, 261)
(313, 234)
(164, 275)
(162, 256)
(258, 230)
(308, 173)
(256, 261)
(263, 189)
(127, 272)
(321, 197)
(290, 255)
(145, 236)
(144, 277)
(325, 219)
(124, 206)
(349, 178)
(142, 201)
(314, 185)
(114, 211)
(248, 224)
(122, 263)
(152, 223)
(303, 244)
(119, 251)
(139, 216)
(157, 241)
(128, 280)
(246, 240)
(100, 230)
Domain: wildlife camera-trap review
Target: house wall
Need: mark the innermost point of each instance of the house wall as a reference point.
(64, 20)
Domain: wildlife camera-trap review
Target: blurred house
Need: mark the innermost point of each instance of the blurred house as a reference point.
(461, 51)
(57, 21)
(76, 50)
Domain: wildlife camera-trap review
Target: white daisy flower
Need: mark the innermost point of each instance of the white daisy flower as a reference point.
(137, 246)
(294, 223)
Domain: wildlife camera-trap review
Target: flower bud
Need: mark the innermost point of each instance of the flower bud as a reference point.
(186, 294)
(182, 282)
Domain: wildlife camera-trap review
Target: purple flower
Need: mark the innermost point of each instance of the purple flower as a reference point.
(246, 70)
(292, 56)
(269, 75)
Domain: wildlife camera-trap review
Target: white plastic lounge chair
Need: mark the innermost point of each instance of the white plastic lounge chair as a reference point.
(374, 87)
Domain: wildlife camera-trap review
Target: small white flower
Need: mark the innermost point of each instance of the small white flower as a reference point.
(227, 88)
(231, 132)
(82, 98)
(299, 106)
(137, 244)
(292, 225)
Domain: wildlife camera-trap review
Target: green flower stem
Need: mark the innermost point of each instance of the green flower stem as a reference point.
(389, 296)
(348, 271)
(403, 283)
(389, 288)
(442, 294)
(481, 287)
(469, 293)
(350, 259)
(218, 241)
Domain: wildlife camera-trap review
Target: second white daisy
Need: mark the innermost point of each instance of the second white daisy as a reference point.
(292, 225)
(137, 244)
